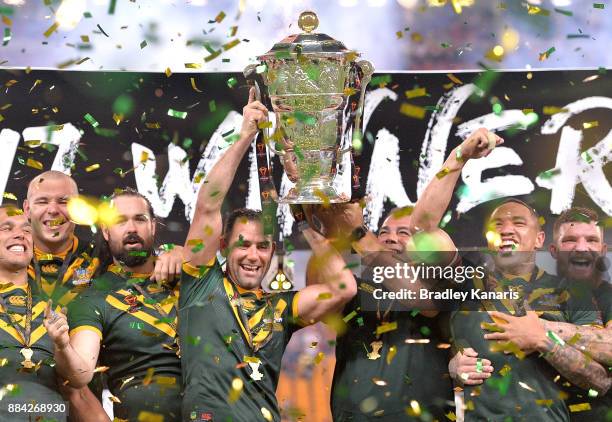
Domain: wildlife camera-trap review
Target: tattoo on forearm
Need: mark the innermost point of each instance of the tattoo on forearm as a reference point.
(578, 368)
(594, 341)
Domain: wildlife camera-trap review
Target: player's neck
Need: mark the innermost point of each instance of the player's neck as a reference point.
(17, 278)
(54, 248)
(519, 269)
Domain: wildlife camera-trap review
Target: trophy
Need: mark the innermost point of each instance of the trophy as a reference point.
(316, 89)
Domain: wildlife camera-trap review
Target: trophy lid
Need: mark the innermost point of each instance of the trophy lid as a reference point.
(307, 43)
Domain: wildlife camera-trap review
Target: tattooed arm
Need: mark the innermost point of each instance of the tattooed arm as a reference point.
(594, 341)
(576, 366)
(529, 334)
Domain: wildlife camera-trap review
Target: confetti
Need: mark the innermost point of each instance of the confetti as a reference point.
(143, 44)
(9, 195)
(454, 79)
(231, 44)
(587, 157)
(193, 85)
(7, 36)
(219, 18)
(144, 416)
(101, 369)
(580, 407)
(318, 358)
(589, 125)
(526, 387)
(93, 122)
(386, 327)
(564, 12)
(442, 173)
(177, 114)
(379, 382)
(391, 354)
(545, 55)
(544, 402)
(34, 164)
(598, 5)
(51, 30)
(417, 92)
(267, 414)
(412, 111)
(193, 65)
(91, 168)
(232, 82)
(550, 110)
(381, 80)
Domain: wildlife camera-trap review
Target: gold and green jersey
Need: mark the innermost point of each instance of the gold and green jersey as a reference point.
(232, 343)
(137, 333)
(521, 388)
(63, 276)
(20, 384)
(389, 359)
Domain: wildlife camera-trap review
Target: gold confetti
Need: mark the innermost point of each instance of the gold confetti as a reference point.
(34, 164)
(580, 407)
(324, 296)
(193, 85)
(148, 377)
(91, 168)
(318, 358)
(145, 416)
(550, 110)
(85, 38)
(125, 381)
(379, 381)
(51, 30)
(454, 79)
(168, 72)
(154, 125)
(102, 369)
(386, 327)
(590, 78)
(118, 118)
(3, 362)
(114, 399)
(412, 111)
(544, 402)
(235, 390)
(442, 173)
(416, 37)
(414, 409)
(391, 354)
(589, 125)
(415, 93)
(451, 416)
(193, 65)
(6, 20)
(9, 195)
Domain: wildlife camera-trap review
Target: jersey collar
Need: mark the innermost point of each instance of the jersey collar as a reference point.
(40, 255)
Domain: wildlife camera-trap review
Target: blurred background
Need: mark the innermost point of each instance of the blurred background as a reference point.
(226, 35)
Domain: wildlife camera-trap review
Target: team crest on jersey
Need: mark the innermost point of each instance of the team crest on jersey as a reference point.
(49, 269)
(132, 301)
(202, 416)
(81, 277)
(17, 300)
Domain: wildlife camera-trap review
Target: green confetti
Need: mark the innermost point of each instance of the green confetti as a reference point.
(136, 325)
(350, 316)
(425, 330)
(564, 12)
(501, 384)
(497, 109)
(305, 118)
(107, 133)
(7, 36)
(598, 6)
(587, 157)
(381, 80)
(283, 54)
(91, 120)
(177, 114)
(592, 393)
(6, 10)
(87, 15)
(137, 253)
(143, 44)
(445, 220)
(187, 142)
(548, 174)
(194, 341)
(351, 265)
(212, 106)
(111, 7)
(445, 45)
(360, 321)
(164, 320)
(198, 247)
(232, 82)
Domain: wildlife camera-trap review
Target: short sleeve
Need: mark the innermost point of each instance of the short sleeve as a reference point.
(87, 312)
(197, 282)
(286, 307)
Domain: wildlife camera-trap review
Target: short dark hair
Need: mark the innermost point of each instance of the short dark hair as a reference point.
(128, 191)
(575, 215)
(242, 213)
(531, 209)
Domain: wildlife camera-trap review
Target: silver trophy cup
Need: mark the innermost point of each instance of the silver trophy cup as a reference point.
(316, 89)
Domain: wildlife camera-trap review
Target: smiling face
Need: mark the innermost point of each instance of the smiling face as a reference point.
(250, 253)
(46, 207)
(15, 240)
(514, 233)
(131, 238)
(577, 247)
(395, 233)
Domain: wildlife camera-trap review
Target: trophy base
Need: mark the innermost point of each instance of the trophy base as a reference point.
(313, 194)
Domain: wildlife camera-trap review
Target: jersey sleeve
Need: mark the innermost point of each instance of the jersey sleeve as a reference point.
(87, 312)
(197, 283)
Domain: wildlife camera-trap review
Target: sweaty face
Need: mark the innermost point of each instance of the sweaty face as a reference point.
(577, 248)
(395, 233)
(15, 240)
(46, 208)
(513, 233)
(250, 253)
(131, 238)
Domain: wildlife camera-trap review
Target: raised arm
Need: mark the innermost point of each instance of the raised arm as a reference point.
(75, 355)
(203, 238)
(335, 284)
(433, 202)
